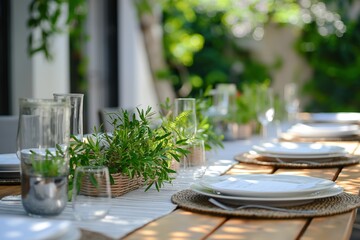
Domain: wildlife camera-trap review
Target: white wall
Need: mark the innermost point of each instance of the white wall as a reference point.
(96, 46)
(35, 77)
(136, 86)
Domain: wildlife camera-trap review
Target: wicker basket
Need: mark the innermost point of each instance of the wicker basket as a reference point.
(123, 184)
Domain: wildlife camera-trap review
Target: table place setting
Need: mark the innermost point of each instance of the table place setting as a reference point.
(266, 196)
(297, 155)
(127, 213)
(322, 131)
(329, 117)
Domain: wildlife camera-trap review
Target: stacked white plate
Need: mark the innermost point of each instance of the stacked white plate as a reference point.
(298, 150)
(340, 117)
(323, 130)
(266, 189)
(16, 227)
(9, 166)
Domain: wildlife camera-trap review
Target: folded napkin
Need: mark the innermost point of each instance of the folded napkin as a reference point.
(23, 227)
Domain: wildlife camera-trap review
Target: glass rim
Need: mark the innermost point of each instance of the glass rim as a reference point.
(44, 101)
(68, 94)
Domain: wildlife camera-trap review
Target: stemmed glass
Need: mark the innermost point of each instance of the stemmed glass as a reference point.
(185, 110)
(265, 108)
(292, 101)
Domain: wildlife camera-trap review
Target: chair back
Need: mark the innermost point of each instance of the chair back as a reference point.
(8, 132)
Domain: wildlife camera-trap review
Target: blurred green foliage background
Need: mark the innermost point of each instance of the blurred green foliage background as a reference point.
(203, 46)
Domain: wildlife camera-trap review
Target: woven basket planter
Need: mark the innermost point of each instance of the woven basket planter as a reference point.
(123, 184)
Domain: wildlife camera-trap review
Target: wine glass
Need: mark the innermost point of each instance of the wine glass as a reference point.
(42, 147)
(292, 101)
(265, 108)
(185, 111)
(225, 98)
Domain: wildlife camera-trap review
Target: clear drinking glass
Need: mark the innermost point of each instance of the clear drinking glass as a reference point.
(76, 117)
(42, 147)
(91, 195)
(292, 101)
(185, 109)
(194, 165)
(265, 108)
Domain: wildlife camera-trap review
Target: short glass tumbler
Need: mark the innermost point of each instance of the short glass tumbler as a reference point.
(194, 165)
(91, 195)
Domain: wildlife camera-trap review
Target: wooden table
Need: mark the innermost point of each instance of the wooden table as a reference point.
(181, 224)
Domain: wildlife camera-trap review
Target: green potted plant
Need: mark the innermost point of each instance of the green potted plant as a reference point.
(135, 152)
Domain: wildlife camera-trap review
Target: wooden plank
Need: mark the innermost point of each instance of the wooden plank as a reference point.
(357, 150)
(337, 227)
(349, 179)
(6, 190)
(327, 173)
(259, 229)
(179, 224)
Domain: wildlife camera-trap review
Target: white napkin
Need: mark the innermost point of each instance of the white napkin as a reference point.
(23, 227)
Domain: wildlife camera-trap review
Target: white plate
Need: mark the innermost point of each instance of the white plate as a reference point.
(276, 202)
(9, 162)
(298, 148)
(16, 227)
(265, 185)
(299, 156)
(323, 130)
(340, 117)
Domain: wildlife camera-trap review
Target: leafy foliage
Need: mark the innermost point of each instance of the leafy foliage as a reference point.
(47, 19)
(133, 149)
(50, 164)
(205, 41)
(336, 65)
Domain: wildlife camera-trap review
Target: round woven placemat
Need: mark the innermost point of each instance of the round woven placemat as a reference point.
(336, 163)
(341, 203)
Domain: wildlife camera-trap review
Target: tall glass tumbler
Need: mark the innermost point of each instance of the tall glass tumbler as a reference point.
(76, 117)
(185, 110)
(42, 147)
